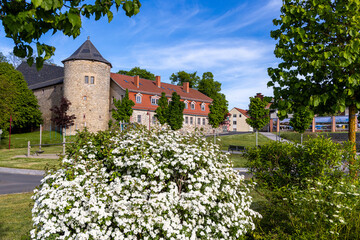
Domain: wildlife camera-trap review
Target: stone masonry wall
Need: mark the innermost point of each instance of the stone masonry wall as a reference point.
(89, 102)
(48, 97)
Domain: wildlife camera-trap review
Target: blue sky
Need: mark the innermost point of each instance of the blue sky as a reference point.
(229, 38)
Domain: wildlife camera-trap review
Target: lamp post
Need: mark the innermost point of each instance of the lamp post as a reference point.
(10, 131)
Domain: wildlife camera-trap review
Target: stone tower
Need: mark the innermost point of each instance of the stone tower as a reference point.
(87, 87)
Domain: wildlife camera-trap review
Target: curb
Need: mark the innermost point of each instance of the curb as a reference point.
(22, 171)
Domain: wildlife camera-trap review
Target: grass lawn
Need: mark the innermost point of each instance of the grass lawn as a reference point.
(7, 160)
(15, 215)
(20, 140)
(296, 137)
(246, 140)
(238, 160)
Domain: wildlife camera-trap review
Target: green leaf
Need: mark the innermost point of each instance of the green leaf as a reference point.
(74, 19)
(110, 16)
(36, 3)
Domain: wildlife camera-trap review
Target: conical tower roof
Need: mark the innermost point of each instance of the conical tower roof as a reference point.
(87, 51)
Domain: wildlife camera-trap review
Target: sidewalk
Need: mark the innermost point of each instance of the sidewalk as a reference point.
(22, 171)
(274, 137)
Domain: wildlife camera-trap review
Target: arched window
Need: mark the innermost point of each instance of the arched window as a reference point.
(138, 98)
(186, 104)
(192, 105)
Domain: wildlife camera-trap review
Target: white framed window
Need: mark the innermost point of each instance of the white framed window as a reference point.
(203, 121)
(138, 98)
(234, 122)
(186, 102)
(203, 106)
(139, 118)
(154, 100)
(234, 116)
(191, 120)
(86, 79)
(199, 121)
(192, 105)
(186, 120)
(153, 120)
(92, 80)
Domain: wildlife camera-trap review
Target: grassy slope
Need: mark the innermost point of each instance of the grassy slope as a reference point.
(15, 215)
(246, 140)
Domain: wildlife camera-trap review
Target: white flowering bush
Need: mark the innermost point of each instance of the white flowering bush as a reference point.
(143, 184)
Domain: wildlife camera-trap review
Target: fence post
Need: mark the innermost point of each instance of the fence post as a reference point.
(63, 143)
(28, 149)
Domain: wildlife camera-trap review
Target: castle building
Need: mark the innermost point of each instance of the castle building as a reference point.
(87, 82)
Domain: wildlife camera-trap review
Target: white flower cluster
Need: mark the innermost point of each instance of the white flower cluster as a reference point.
(155, 185)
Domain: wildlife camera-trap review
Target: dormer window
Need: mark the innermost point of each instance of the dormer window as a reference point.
(138, 98)
(186, 104)
(203, 106)
(192, 105)
(154, 100)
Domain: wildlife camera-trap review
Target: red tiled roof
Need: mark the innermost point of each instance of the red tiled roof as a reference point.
(149, 86)
(244, 112)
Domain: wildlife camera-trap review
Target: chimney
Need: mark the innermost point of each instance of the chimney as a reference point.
(259, 95)
(186, 86)
(158, 81)
(137, 81)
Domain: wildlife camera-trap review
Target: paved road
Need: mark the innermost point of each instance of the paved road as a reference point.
(18, 183)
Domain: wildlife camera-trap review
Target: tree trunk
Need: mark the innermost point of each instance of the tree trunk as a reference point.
(352, 133)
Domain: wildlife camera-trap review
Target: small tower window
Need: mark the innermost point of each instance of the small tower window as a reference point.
(92, 80)
(85, 98)
(86, 79)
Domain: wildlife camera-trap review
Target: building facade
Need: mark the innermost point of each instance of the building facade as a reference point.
(87, 82)
(238, 122)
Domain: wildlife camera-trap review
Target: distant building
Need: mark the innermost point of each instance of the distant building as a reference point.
(237, 119)
(86, 81)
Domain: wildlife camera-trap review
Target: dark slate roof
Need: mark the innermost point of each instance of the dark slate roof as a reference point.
(87, 51)
(49, 75)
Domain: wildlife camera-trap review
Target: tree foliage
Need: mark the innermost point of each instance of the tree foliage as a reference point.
(3, 58)
(123, 108)
(27, 21)
(301, 119)
(258, 115)
(219, 107)
(175, 112)
(319, 44)
(137, 71)
(23, 105)
(8, 94)
(162, 109)
(61, 118)
(180, 77)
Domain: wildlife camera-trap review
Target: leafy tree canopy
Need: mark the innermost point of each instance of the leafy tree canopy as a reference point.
(318, 43)
(27, 21)
(8, 94)
(180, 77)
(175, 112)
(258, 115)
(123, 108)
(137, 71)
(61, 118)
(219, 107)
(23, 106)
(162, 109)
(301, 119)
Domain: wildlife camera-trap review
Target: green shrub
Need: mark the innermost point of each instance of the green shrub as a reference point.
(276, 165)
